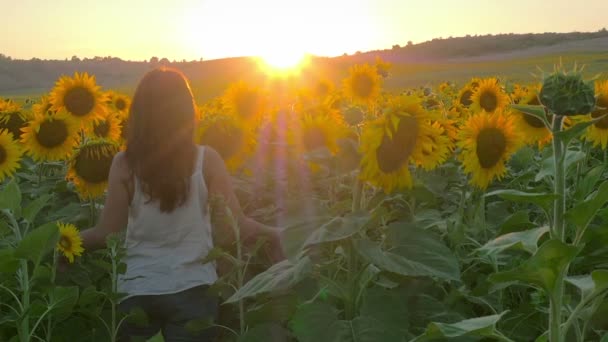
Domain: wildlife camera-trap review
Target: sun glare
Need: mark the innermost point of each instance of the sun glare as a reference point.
(283, 61)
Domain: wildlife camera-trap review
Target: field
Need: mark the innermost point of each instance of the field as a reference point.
(461, 200)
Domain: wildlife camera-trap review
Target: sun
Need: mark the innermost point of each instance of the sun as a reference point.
(283, 61)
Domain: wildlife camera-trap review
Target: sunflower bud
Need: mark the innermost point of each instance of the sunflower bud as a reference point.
(567, 94)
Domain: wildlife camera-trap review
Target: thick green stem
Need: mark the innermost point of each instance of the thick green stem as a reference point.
(559, 205)
(555, 313)
(558, 231)
(24, 328)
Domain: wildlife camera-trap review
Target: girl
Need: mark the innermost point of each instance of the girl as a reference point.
(158, 190)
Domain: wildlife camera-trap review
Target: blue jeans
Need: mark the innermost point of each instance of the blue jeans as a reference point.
(169, 314)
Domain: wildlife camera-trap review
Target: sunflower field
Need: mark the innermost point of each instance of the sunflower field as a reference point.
(471, 212)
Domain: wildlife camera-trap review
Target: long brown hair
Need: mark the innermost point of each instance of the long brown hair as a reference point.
(160, 146)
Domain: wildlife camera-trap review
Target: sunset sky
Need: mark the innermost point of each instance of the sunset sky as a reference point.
(191, 29)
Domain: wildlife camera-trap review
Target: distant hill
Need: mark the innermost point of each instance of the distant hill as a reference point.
(413, 64)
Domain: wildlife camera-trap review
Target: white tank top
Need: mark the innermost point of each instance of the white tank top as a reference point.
(164, 250)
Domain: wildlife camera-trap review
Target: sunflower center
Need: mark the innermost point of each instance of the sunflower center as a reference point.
(79, 101)
(393, 153)
(488, 101)
(465, 98)
(314, 138)
(363, 85)
(603, 123)
(14, 124)
(65, 242)
(491, 145)
(93, 167)
(2, 154)
(101, 128)
(52, 133)
(120, 104)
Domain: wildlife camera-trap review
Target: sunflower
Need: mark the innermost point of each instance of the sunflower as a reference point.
(7, 105)
(319, 130)
(89, 168)
(44, 106)
(80, 96)
(10, 155)
(363, 84)
(119, 102)
(598, 132)
(390, 142)
(50, 137)
(519, 92)
(488, 97)
(14, 120)
(487, 142)
(109, 128)
(382, 67)
(233, 139)
(248, 103)
(70, 242)
(532, 129)
(464, 96)
(435, 152)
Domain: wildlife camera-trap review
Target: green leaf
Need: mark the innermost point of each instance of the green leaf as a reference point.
(519, 220)
(542, 199)
(318, 321)
(312, 321)
(590, 285)
(156, 338)
(587, 184)
(63, 299)
(535, 111)
(297, 233)
(10, 197)
(474, 327)
(8, 263)
(280, 276)
(547, 167)
(38, 242)
(275, 310)
(389, 307)
(430, 264)
(582, 214)
(543, 268)
(34, 207)
(338, 228)
(567, 135)
(526, 240)
(264, 333)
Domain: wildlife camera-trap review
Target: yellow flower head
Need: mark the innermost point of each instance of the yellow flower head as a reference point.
(598, 132)
(50, 137)
(108, 128)
(70, 242)
(120, 103)
(363, 84)
(80, 96)
(319, 127)
(13, 120)
(246, 102)
(487, 142)
(89, 168)
(532, 130)
(488, 97)
(233, 139)
(10, 155)
(389, 143)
